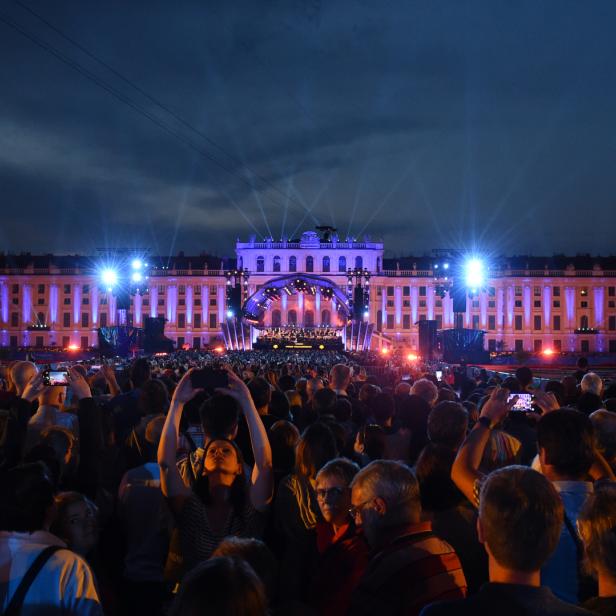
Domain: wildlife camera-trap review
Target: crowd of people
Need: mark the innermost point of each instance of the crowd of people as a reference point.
(300, 483)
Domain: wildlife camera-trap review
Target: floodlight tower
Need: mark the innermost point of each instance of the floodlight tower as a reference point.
(124, 277)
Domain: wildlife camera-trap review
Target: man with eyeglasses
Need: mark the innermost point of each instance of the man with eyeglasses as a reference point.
(409, 566)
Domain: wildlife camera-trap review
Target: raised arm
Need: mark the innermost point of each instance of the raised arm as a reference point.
(262, 480)
(465, 470)
(170, 479)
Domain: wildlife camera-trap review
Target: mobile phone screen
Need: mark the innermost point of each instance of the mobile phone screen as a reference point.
(439, 375)
(55, 377)
(524, 402)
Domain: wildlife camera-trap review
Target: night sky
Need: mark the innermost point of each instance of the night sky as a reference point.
(486, 125)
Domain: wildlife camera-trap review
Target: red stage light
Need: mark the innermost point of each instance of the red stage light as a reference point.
(219, 349)
(384, 350)
(412, 357)
(548, 352)
(73, 347)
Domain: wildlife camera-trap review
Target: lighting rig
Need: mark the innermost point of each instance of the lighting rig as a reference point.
(358, 294)
(123, 277)
(237, 291)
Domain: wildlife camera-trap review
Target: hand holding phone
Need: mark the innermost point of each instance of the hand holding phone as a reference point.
(209, 379)
(524, 402)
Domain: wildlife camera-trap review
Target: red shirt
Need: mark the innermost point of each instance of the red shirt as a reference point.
(343, 557)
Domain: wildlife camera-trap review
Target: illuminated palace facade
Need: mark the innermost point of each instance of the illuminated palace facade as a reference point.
(527, 303)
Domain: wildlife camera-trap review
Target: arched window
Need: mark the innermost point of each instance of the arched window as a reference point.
(292, 264)
(292, 317)
(309, 264)
(260, 264)
(359, 263)
(584, 322)
(308, 318)
(342, 264)
(326, 264)
(276, 263)
(325, 317)
(276, 320)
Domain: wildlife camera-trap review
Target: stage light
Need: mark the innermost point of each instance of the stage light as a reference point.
(366, 314)
(445, 265)
(474, 273)
(275, 346)
(137, 264)
(548, 352)
(136, 277)
(230, 314)
(109, 277)
(73, 347)
(412, 357)
(219, 349)
(384, 351)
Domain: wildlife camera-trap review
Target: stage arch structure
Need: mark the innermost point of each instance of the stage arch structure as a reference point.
(321, 319)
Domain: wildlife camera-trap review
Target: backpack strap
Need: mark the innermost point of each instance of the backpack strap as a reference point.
(17, 600)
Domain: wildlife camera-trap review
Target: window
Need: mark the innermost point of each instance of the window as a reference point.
(13, 341)
(66, 319)
(439, 321)
(475, 303)
(406, 303)
(197, 290)
(390, 303)
(612, 346)
(292, 264)
(181, 320)
(212, 301)
(182, 290)
(342, 264)
(213, 322)
(491, 322)
(556, 303)
(518, 322)
(422, 291)
(537, 291)
(161, 302)
(475, 321)
(406, 321)
(276, 318)
(66, 340)
(39, 341)
(196, 342)
(359, 263)
(292, 317)
(491, 304)
(14, 319)
(103, 301)
(406, 291)
(558, 345)
(85, 301)
(86, 288)
(518, 303)
(276, 263)
(67, 288)
(182, 302)
(492, 345)
(537, 346)
(180, 342)
(519, 345)
(15, 301)
(103, 319)
(260, 264)
(41, 288)
(584, 322)
(612, 323)
(15, 289)
(40, 318)
(518, 291)
(309, 318)
(41, 301)
(555, 291)
(85, 319)
(390, 291)
(585, 346)
(213, 289)
(583, 304)
(197, 302)
(390, 321)
(537, 322)
(325, 317)
(326, 264)
(67, 301)
(197, 321)
(145, 302)
(379, 320)
(611, 291)
(537, 303)
(309, 264)
(422, 303)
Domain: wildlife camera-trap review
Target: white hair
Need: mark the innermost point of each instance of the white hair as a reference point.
(592, 382)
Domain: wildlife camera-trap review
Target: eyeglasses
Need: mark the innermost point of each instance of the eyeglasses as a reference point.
(333, 493)
(355, 510)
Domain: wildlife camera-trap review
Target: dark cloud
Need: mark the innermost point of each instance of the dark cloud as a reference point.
(427, 124)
